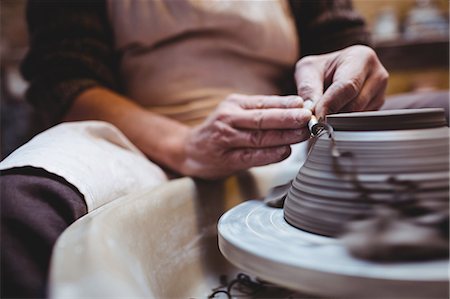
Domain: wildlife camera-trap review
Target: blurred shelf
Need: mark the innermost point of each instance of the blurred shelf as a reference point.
(413, 54)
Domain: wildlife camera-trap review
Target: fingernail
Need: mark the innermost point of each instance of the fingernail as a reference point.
(285, 151)
(303, 117)
(308, 104)
(296, 98)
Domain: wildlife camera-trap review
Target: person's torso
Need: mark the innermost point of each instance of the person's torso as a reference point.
(181, 58)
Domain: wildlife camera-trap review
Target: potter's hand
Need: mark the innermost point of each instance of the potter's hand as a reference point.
(245, 131)
(351, 79)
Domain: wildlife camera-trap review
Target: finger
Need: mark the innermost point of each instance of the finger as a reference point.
(374, 85)
(265, 102)
(250, 157)
(309, 77)
(257, 119)
(266, 138)
(377, 102)
(379, 98)
(348, 81)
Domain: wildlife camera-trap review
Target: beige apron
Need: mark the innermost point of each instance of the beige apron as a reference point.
(181, 58)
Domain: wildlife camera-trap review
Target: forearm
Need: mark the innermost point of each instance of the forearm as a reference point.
(244, 131)
(328, 25)
(158, 137)
(71, 50)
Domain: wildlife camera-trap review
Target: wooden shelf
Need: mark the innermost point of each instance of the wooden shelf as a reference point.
(414, 54)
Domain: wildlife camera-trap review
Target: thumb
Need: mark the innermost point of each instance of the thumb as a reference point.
(309, 78)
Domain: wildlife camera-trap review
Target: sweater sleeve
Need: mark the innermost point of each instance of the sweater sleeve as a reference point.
(71, 50)
(328, 25)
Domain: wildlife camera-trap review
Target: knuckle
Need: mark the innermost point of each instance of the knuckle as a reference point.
(370, 52)
(382, 79)
(372, 57)
(233, 98)
(223, 116)
(367, 53)
(256, 138)
(260, 103)
(223, 140)
(222, 134)
(258, 119)
(384, 75)
(305, 61)
(351, 87)
(246, 156)
(305, 88)
(328, 107)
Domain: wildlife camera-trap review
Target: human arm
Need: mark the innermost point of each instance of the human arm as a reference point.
(70, 50)
(244, 131)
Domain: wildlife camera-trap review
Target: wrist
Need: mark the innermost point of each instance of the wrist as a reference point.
(186, 155)
(174, 147)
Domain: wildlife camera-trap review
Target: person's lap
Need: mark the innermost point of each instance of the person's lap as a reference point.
(51, 181)
(39, 202)
(36, 207)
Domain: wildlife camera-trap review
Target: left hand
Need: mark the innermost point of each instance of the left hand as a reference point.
(352, 79)
(244, 131)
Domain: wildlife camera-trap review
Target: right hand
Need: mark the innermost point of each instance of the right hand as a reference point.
(351, 79)
(245, 131)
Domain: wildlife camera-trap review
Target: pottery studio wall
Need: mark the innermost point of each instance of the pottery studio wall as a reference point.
(412, 40)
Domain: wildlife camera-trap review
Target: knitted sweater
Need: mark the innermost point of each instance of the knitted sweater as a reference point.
(72, 46)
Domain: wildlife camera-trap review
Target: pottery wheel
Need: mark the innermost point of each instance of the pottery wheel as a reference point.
(257, 239)
(372, 158)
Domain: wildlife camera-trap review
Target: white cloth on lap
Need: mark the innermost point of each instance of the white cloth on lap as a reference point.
(93, 156)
